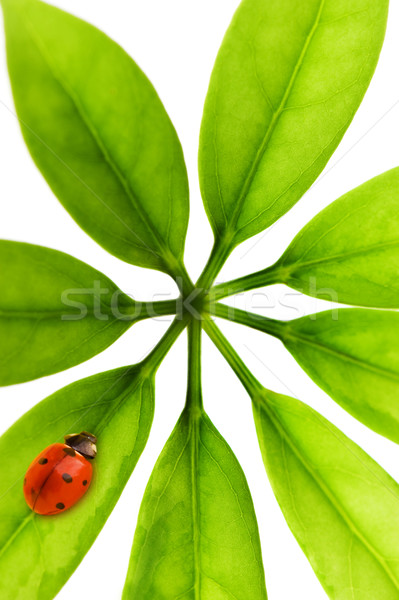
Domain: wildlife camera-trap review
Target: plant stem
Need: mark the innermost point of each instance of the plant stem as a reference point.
(218, 257)
(149, 310)
(262, 278)
(230, 313)
(194, 393)
(183, 281)
(250, 383)
(177, 270)
(157, 354)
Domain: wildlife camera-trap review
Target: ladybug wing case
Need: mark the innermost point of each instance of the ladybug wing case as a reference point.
(57, 478)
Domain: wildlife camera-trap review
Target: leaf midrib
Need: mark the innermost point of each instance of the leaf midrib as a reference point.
(222, 441)
(273, 123)
(337, 505)
(194, 443)
(29, 517)
(47, 314)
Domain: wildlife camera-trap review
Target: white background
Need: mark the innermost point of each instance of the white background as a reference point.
(176, 42)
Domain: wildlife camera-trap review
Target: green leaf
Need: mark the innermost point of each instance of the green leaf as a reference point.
(55, 312)
(342, 507)
(349, 252)
(197, 535)
(353, 355)
(287, 82)
(99, 134)
(38, 554)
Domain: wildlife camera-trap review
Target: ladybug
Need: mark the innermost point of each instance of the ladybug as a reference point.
(61, 474)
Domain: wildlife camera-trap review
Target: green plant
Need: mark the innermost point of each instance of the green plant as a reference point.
(286, 84)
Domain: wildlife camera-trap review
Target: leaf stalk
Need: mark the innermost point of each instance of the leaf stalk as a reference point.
(194, 393)
(218, 257)
(265, 324)
(150, 310)
(263, 278)
(157, 354)
(250, 383)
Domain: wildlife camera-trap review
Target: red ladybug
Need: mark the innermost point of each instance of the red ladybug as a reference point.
(61, 474)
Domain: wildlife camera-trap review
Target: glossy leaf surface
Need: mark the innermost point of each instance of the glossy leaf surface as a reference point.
(55, 312)
(342, 507)
(197, 536)
(349, 252)
(353, 354)
(287, 82)
(38, 554)
(99, 134)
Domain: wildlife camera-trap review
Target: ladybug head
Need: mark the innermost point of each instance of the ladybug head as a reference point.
(84, 443)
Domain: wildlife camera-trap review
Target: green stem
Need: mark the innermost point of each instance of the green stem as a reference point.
(260, 279)
(194, 393)
(149, 310)
(193, 413)
(230, 313)
(176, 268)
(250, 383)
(218, 257)
(183, 280)
(156, 356)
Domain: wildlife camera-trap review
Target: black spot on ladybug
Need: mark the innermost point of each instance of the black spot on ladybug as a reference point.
(42, 461)
(67, 478)
(84, 482)
(60, 505)
(32, 491)
(69, 451)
